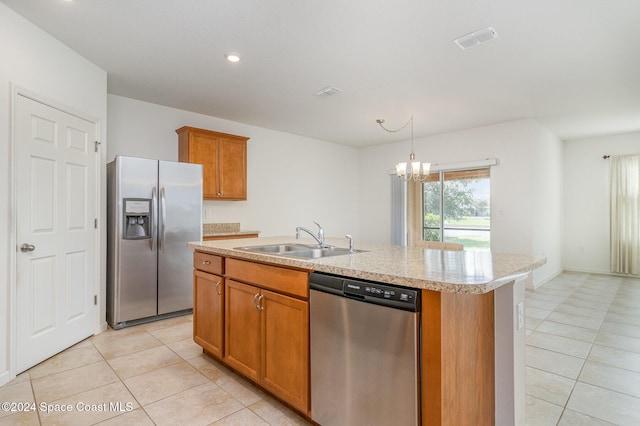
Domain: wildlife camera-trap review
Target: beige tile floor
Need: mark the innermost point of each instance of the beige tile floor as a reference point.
(150, 374)
(583, 368)
(583, 351)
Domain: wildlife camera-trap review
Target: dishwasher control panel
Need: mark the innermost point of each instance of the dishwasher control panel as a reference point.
(377, 290)
(378, 293)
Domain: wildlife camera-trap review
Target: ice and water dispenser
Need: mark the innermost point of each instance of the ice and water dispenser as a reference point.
(137, 218)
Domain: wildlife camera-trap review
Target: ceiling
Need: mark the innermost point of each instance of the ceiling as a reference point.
(573, 65)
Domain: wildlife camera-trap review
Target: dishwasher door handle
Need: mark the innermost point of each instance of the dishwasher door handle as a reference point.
(354, 296)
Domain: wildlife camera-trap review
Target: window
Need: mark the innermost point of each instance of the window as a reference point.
(456, 208)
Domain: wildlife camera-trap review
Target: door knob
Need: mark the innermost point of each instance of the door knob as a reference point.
(27, 247)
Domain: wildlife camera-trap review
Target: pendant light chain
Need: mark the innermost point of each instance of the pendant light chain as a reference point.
(380, 121)
(416, 171)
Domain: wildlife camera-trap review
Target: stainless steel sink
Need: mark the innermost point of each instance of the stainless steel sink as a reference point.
(298, 250)
(315, 253)
(275, 248)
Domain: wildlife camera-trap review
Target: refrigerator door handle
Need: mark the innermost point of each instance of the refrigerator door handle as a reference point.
(154, 215)
(163, 208)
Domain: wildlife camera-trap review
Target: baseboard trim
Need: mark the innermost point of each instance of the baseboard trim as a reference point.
(5, 377)
(598, 272)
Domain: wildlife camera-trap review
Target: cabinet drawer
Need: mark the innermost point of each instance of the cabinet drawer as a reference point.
(284, 280)
(208, 262)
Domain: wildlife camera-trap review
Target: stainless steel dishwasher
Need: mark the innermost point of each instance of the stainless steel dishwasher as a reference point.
(364, 352)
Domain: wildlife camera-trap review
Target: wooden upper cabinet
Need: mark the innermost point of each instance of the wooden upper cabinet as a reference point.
(224, 160)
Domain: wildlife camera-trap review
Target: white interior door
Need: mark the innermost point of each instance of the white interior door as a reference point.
(56, 204)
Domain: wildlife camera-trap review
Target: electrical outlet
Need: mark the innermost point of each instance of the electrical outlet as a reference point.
(520, 315)
(208, 214)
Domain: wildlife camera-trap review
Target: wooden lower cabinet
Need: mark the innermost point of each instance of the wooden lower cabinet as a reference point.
(208, 318)
(242, 329)
(267, 340)
(285, 348)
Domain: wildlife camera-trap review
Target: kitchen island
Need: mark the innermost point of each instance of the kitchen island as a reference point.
(472, 332)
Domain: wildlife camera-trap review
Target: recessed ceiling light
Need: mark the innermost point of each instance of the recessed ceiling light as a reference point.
(232, 57)
(475, 38)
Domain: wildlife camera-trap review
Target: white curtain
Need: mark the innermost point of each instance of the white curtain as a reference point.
(625, 214)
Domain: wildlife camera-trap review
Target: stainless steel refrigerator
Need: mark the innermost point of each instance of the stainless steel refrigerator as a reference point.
(153, 209)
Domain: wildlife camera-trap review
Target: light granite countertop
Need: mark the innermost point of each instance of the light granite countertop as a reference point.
(465, 272)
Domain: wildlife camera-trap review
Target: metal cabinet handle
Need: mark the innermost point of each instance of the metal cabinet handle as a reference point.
(260, 307)
(255, 300)
(206, 262)
(218, 288)
(27, 247)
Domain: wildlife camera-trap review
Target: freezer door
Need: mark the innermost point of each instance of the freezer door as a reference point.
(132, 263)
(180, 207)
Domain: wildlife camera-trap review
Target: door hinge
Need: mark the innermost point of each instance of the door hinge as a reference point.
(96, 146)
(95, 299)
(95, 223)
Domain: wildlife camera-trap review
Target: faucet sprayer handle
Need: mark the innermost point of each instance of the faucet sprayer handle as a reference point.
(350, 238)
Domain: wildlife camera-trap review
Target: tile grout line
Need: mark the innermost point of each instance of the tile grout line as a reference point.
(123, 384)
(575, 383)
(583, 365)
(564, 407)
(243, 406)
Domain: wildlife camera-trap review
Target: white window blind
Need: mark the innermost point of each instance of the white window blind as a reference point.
(398, 211)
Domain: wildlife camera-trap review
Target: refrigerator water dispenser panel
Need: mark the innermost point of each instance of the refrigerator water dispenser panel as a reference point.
(137, 218)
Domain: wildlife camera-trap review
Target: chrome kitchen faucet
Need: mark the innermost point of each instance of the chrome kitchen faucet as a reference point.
(319, 238)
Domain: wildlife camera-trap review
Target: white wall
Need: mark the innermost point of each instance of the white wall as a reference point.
(291, 180)
(586, 189)
(514, 188)
(35, 61)
(294, 180)
(548, 204)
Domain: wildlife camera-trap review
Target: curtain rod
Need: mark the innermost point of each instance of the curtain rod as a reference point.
(605, 157)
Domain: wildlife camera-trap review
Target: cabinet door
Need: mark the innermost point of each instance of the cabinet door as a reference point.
(203, 149)
(232, 163)
(208, 312)
(285, 348)
(242, 328)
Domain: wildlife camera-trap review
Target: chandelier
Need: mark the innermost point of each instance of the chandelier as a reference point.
(417, 171)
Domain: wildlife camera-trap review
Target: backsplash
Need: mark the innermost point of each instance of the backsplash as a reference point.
(217, 228)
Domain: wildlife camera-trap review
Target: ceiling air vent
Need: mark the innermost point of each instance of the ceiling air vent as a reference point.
(328, 91)
(475, 38)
